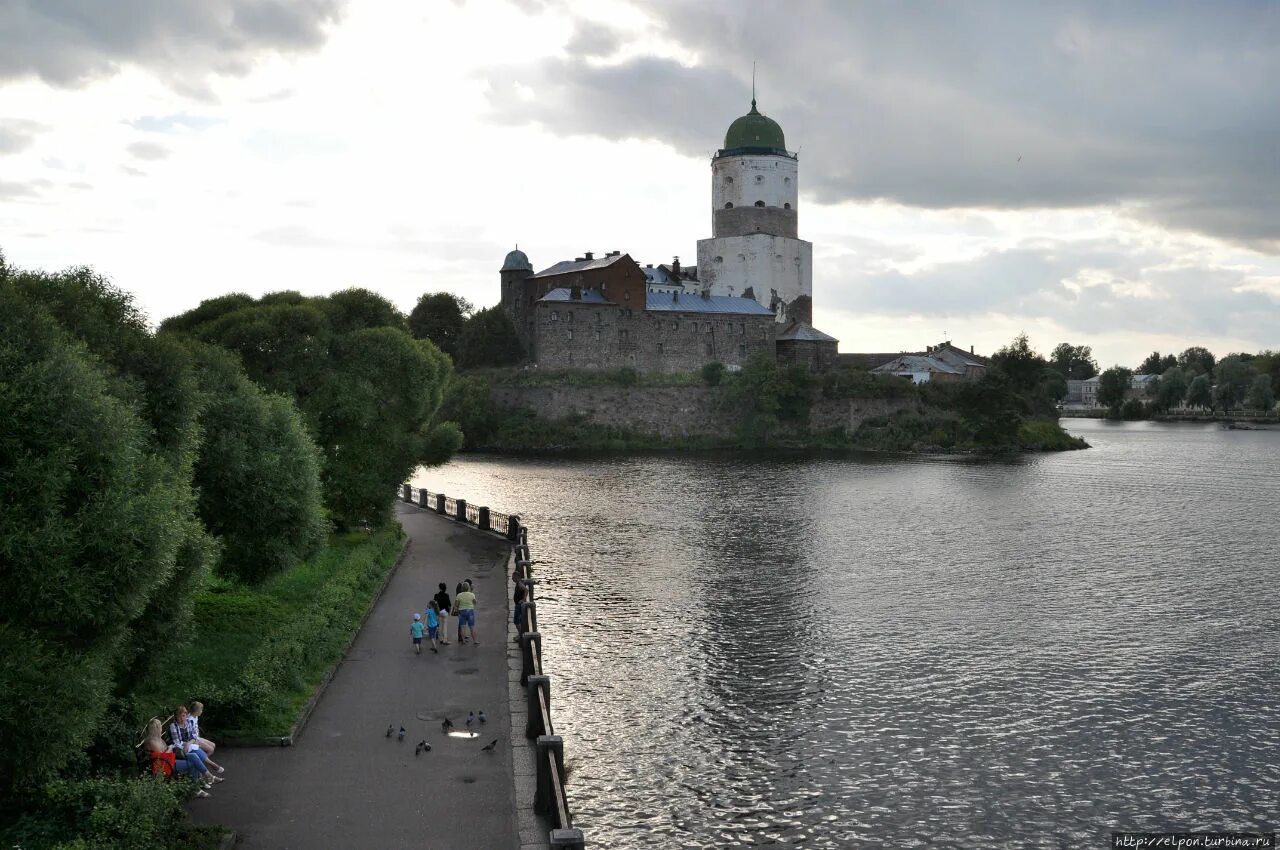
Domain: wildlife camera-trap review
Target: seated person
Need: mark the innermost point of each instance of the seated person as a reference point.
(206, 746)
(184, 742)
(165, 762)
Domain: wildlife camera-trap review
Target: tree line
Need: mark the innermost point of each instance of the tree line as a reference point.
(1194, 378)
(135, 462)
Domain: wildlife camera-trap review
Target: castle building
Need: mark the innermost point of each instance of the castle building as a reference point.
(754, 250)
(752, 290)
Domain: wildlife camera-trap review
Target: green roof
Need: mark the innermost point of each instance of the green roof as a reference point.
(754, 130)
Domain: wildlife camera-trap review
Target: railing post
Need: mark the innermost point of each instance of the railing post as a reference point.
(513, 528)
(536, 684)
(544, 799)
(530, 649)
(440, 503)
(570, 839)
(460, 510)
(529, 604)
(406, 493)
(482, 518)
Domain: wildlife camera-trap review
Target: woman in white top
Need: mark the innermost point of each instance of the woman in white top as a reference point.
(205, 745)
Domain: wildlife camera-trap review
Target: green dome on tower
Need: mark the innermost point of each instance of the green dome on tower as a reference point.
(754, 130)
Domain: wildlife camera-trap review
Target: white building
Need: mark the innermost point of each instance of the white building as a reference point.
(754, 251)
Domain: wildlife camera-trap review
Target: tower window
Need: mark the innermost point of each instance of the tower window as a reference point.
(719, 259)
(659, 348)
(728, 206)
(742, 351)
(728, 180)
(710, 350)
(786, 206)
(570, 333)
(568, 317)
(786, 180)
(759, 178)
(555, 317)
(759, 203)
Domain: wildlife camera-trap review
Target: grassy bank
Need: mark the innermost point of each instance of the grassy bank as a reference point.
(258, 653)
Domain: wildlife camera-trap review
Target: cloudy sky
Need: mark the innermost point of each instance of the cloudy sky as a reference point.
(1102, 174)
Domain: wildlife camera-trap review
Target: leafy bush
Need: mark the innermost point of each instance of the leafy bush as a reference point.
(107, 814)
(712, 373)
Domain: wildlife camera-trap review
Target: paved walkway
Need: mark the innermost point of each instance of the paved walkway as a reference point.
(344, 784)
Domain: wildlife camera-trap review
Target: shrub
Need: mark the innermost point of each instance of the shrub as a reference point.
(712, 373)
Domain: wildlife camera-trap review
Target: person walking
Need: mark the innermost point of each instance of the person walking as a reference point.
(443, 603)
(415, 631)
(433, 623)
(467, 613)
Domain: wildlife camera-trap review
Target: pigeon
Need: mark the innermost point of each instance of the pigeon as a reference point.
(426, 748)
(446, 725)
(471, 718)
(400, 736)
(491, 746)
(481, 715)
(390, 729)
(417, 751)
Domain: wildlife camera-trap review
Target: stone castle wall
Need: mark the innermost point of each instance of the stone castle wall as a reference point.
(674, 411)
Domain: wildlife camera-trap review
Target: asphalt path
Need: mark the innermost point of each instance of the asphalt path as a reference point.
(344, 784)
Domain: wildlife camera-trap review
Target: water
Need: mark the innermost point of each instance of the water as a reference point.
(941, 652)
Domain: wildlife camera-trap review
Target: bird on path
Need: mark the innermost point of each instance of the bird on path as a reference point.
(390, 729)
(400, 735)
(423, 747)
(446, 725)
(481, 715)
(471, 718)
(417, 751)
(489, 747)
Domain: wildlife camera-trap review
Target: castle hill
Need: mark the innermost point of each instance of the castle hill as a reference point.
(436, 426)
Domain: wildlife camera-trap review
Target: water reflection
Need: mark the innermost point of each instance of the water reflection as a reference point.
(939, 652)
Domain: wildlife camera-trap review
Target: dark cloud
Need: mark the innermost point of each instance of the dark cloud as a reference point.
(593, 39)
(1171, 107)
(150, 151)
(16, 135)
(70, 42)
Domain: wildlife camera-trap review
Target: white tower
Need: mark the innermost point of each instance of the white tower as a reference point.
(754, 250)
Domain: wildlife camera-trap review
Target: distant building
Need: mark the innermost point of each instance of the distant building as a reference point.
(1089, 391)
(944, 362)
(1141, 385)
(752, 290)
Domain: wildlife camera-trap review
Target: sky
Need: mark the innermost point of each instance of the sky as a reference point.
(1099, 174)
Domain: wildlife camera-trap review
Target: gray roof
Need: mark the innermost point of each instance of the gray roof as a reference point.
(566, 266)
(805, 333)
(660, 276)
(589, 296)
(919, 363)
(667, 302)
(517, 260)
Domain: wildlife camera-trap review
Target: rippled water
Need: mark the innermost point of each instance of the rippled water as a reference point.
(935, 652)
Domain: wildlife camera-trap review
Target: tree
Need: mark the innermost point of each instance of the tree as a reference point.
(1023, 365)
(1200, 392)
(764, 394)
(1074, 362)
(1171, 389)
(440, 317)
(1261, 396)
(368, 392)
(1155, 364)
(97, 520)
(1196, 361)
(488, 339)
(258, 472)
(712, 373)
(1113, 384)
(990, 410)
(1233, 378)
(467, 403)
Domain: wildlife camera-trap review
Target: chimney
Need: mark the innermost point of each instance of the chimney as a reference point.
(675, 297)
(706, 294)
(648, 265)
(675, 266)
(588, 256)
(578, 259)
(971, 349)
(614, 253)
(575, 293)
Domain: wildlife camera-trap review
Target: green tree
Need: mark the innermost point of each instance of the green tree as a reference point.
(765, 394)
(440, 317)
(1200, 392)
(467, 403)
(1155, 364)
(712, 373)
(94, 521)
(1261, 396)
(368, 392)
(1074, 361)
(258, 472)
(1196, 361)
(990, 410)
(1113, 384)
(1171, 389)
(488, 339)
(1233, 378)
(1024, 367)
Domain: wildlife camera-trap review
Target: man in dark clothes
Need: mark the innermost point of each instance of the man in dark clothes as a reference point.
(442, 599)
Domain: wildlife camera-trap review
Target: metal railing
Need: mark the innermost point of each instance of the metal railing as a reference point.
(550, 798)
